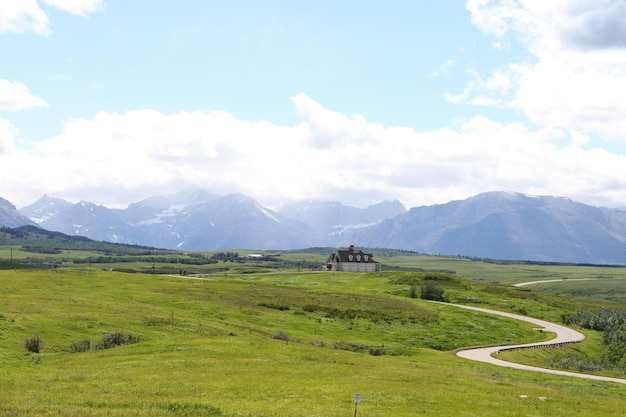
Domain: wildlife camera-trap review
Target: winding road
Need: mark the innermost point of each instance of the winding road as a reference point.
(564, 335)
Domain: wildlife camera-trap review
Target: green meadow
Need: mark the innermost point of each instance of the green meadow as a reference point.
(251, 340)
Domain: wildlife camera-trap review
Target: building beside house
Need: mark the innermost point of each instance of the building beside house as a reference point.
(351, 260)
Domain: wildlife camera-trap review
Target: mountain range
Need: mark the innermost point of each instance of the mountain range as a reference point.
(495, 225)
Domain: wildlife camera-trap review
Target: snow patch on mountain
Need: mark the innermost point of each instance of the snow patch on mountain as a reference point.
(339, 230)
(268, 214)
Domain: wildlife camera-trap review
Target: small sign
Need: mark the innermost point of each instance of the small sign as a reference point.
(357, 398)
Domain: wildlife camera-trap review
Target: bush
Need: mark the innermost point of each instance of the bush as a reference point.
(578, 363)
(117, 338)
(281, 336)
(612, 324)
(615, 339)
(597, 320)
(81, 346)
(33, 344)
(431, 291)
(378, 351)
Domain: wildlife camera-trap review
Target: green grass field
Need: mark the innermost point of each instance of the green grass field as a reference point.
(284, 343)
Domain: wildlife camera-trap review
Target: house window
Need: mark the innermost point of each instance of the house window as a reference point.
(366, 258)
(350, 257)
(358, 258)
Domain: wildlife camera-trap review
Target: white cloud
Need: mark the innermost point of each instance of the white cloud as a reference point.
(7, 135)
(497, 90)
(20, 16)
(116, 159)
(16, 96)
(577, 77)
(77, 7)
(23, 16)
(331, 129)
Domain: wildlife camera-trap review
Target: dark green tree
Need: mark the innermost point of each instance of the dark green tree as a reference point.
(432, 291)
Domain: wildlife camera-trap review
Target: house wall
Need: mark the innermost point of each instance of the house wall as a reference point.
(356, 267)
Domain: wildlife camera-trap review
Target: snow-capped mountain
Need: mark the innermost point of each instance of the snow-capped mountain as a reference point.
(158, 209)
(237, 221)
(497, 225)
(45, 208)
(81, 219)
(193, 220)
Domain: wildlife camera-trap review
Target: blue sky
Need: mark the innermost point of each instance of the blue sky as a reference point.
(113, 101)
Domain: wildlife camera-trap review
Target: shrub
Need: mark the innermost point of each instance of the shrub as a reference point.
(33, 344)
(578, 363)
(431, 291)
(597, 320)
(612, 324)
(615, 339)
(281, 336)
(81, 346)
(118, 338)
(378, 351)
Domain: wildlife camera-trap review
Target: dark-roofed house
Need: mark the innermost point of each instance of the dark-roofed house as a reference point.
(352, 261)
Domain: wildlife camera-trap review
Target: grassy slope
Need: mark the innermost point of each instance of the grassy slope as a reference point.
(502, 271)
(207, 348)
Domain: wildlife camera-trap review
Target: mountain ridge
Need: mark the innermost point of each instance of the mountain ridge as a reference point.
(496, 225)
(504, 225)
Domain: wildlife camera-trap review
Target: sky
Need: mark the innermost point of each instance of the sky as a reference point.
(114, 101)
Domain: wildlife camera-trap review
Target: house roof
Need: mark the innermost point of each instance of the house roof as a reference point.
(351, 255)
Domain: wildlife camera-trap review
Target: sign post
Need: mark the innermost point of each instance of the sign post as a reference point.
(357, 400)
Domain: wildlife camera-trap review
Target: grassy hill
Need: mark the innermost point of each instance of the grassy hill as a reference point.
(271, 344)
(234, 336)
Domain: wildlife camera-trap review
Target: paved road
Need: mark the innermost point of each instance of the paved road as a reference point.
(563, 335)
(523, 284)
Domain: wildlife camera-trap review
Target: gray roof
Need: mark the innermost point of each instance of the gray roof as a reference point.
(351, 255)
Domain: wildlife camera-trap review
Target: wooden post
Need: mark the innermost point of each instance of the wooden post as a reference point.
(357, 400)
